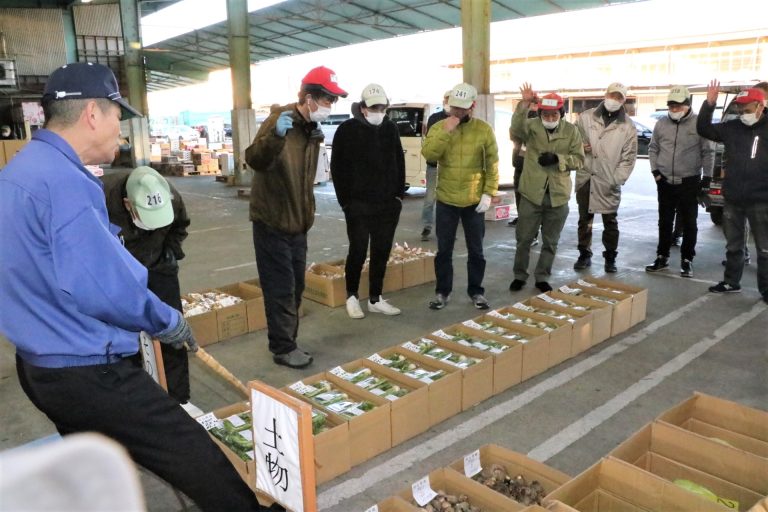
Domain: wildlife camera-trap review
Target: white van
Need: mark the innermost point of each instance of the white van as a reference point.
(411, 120)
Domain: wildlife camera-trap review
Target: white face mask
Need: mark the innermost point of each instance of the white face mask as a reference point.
(612, 105)
(748, 119)
(375, 118)
(319, 115)
(137, 222)
(550, 125)
(676, 116)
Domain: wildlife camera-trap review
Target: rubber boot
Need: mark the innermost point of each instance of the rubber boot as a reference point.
(610, 261)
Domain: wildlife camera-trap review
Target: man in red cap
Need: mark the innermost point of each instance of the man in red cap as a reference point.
(284, 157)
(553, 150)
(745, 186)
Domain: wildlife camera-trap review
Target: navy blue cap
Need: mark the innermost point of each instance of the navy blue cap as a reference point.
(86, 80)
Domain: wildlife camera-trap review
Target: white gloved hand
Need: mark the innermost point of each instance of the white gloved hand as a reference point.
(484, 204)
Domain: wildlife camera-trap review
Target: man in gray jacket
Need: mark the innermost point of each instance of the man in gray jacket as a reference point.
(678, 155)
(610, 147)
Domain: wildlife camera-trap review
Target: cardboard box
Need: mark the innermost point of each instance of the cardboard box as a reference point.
(740, 426)
(326, 285)
(331, 448)
(673, 453)
(429, 268)
(254, 303)
(407, 412)
(369, 434)
(10, 148)
(502, 198)
(639, 296)
(507, 365)
(204, 326)
(517, 464)
(534, 346)
(612, 485)
(451, 482)
(393, 279)
(362, 288)
(559, 337)
(581, 323)
(477, 379)
(502, 212)
(602, 313)
(232, 321)
(395, 504)
(621, 307)
(443, 393)
(413, 272)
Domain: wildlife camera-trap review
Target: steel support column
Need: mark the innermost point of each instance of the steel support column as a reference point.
(243, 115)
(476, 50)
(135, 79)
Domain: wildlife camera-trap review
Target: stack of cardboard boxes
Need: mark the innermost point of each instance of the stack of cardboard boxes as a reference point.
(472, 360)
(190, 158)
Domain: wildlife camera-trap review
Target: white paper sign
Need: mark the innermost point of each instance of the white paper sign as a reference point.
(376, 358)
(236, 421)
(276, 448)
(442, 334)
(301, 388)
(208, 421)
(374, 508)
(581, 282)
(495, 314)
(546, 298)
(472, 464)
(522, 307)
(341, 373)
(422, 492)
(410, 346)
(472, 324)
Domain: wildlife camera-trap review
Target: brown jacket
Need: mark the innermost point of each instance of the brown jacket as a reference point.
(282, 195)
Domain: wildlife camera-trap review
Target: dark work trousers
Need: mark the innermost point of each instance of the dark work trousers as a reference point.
(680, 199)
(518, 166)
(447, 219)
(281, 259)
(175, 362)
(123, 403)
(380, 230)
(735, 218)
(610, 225)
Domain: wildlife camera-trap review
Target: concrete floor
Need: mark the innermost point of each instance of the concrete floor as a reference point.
(568, 417)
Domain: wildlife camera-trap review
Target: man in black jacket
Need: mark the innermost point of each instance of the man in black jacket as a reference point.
(745, 187)
(153, 222)
(368, 169)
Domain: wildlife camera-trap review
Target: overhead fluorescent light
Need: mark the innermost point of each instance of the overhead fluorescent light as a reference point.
(189, 15)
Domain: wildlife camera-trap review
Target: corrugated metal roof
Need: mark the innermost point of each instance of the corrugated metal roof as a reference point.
(300, 26)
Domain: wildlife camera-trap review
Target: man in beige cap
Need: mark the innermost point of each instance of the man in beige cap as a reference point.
(468, 176)
(610, 147)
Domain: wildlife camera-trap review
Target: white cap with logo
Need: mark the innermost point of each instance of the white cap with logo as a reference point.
(151, 195)
(462, 96)
(373, 94)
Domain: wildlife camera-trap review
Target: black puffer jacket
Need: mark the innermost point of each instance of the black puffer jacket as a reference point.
(367, 165)
(746, 172)
(158, 249)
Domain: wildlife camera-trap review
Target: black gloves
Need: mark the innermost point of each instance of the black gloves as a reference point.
(658, 176)
(178, 335)
(548, 158)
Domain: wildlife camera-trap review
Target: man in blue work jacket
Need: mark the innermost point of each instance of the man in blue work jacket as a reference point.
(74, 300)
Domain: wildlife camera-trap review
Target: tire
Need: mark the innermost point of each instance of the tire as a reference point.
(716, 214)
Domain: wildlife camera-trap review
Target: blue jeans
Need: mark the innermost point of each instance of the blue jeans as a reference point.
(735, 218)
(428, 210)
(447, 222)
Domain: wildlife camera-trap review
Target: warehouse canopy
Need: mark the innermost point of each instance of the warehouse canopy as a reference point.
(294, 27)
(300, 26)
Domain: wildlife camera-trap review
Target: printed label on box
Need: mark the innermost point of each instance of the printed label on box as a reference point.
(472, 324)
(523, 307)
(410, 346)
(376, 358)
(208, 421)
(301, 388)
(472, 464)
(442, 334)
(422, 491)
(581, 282)
(496, 314)
(341, 373)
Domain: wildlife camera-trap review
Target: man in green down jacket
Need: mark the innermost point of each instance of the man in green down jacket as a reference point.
(468, 176)
(284, 157)
(553, 150)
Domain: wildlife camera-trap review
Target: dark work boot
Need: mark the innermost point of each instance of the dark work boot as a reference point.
(584, 261)
(660, 263)
(610, 261)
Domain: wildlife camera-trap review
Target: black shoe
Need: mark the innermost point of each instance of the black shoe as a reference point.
(439, 301)
(513, 222)
(425, 234)
(610, 261)
(543, 286)
(296, 358)
(516, 285)
(686, 268)
(584, 261)
(723, 287)
(660, 263)
(480, 302)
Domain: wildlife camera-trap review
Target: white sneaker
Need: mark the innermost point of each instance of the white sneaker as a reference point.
(353, 308)
(383, 307)
(192, 409)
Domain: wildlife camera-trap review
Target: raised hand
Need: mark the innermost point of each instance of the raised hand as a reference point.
(527, 92)
(712, 91)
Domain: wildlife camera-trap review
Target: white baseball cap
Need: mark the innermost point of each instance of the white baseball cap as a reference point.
(462, 96)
